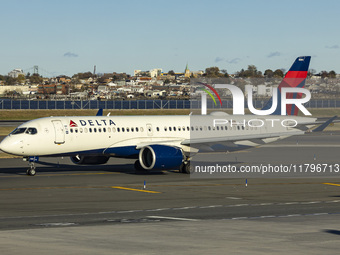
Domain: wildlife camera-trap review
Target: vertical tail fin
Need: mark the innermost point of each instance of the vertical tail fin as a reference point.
(296, 78)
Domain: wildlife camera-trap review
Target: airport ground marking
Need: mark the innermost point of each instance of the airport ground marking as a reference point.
(332, 184)
(140, 190)
(172, 218)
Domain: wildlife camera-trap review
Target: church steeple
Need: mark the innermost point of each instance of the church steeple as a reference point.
(187, 72)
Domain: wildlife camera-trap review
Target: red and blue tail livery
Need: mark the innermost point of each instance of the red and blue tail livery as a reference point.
(294, 78)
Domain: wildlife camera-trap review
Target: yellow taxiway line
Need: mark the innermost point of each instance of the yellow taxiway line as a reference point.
(140, 190)
(333, 184)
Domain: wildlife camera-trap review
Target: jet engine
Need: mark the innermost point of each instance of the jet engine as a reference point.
(160, 157)
(89, 160)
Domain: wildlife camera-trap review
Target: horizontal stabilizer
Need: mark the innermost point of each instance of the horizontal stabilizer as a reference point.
(324, 125)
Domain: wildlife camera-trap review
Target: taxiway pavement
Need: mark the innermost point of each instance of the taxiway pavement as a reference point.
(105, 209)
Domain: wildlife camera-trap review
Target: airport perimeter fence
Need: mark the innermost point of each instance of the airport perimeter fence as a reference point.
(12, 104)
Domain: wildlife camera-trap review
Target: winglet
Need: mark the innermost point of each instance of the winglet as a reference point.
(100, 112)
(324, 125)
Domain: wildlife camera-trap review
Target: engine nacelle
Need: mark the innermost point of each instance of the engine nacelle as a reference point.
(160, 157)
(89, 160)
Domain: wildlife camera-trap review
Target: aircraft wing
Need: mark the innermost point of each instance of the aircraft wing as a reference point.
(202, 140)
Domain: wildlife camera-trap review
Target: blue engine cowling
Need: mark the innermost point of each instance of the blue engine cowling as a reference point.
(160, 157)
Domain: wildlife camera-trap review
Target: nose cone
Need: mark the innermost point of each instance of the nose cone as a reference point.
(11, 146)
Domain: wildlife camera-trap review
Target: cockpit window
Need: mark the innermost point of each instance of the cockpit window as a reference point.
(31, 131)
(18, 131)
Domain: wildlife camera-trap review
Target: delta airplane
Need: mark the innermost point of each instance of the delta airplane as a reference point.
(157, 142)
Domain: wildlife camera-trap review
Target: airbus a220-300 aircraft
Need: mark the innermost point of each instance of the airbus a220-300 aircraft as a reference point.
(158, 142)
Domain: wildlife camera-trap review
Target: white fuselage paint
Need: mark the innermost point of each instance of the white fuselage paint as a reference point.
(101, 134)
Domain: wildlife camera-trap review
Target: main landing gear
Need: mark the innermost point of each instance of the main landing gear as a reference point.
(185, 167)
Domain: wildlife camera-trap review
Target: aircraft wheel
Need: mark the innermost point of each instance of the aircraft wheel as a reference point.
(186, 168)
(31, 171)
(181, 167)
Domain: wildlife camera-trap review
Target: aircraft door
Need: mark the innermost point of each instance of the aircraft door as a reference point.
(59, 132)
(149, 129)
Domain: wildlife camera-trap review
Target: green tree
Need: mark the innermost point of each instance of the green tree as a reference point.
(225, 73)
(213, 72)
(10, 80)
(21, 78)
(332, 74)
(324, 74)
(251, 72)
(36, 79)
(278, 73)
(269, 73)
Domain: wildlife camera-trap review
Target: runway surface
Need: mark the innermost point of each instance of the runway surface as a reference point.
(106, 210)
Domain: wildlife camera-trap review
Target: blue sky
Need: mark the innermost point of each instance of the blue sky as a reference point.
(67, 37)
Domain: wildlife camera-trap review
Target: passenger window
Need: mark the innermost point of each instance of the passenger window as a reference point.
(157, 128)
(132, 129)
(90, 130)
(137, 129)
(127, 130)
(95, 130)
(99, 130)
(71, 130)
(169, 128)
(165, 129)
(118, 129)
(76, 130)
(123, 129)
(85, 130)
(174, 128)
(141, 129)
(188, 128)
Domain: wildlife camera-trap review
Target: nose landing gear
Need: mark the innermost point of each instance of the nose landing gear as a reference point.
(31, 170)
(31, 160)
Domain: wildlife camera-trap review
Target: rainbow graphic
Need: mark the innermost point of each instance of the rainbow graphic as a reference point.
(209, 93)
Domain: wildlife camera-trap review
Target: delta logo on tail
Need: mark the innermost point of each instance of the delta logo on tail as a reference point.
(295, 78)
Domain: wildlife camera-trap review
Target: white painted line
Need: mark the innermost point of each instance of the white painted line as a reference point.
(239, 218)
(57, 224)
(184, 208)
(171, 218)
(156, 210)
(210, 206)
(233, 197)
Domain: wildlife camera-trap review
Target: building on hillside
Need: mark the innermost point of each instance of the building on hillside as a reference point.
(15, 73)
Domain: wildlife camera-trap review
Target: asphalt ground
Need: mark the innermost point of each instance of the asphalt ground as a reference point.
(106, 209)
